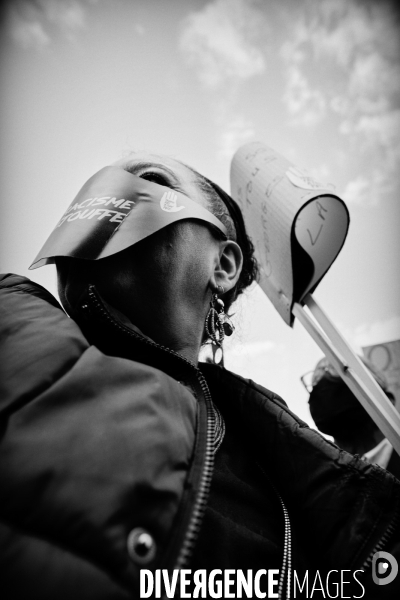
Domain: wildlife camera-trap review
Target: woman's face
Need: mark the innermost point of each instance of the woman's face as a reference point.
(168, 272)
(178, 255)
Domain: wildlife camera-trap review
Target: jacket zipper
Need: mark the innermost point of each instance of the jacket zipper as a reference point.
(286, 570)
(200, 502)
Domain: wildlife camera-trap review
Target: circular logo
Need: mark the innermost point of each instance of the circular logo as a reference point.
(384, 568)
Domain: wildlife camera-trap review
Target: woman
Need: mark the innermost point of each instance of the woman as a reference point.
(121, 452)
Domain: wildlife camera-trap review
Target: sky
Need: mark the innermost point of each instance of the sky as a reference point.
(84, 82)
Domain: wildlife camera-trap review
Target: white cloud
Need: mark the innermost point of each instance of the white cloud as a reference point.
(235, 133)
(32, 24)
(380, 134)
(347, 29)
(307, 106)
(377, 332)
(28, 33)
(218, 41)
(370, 189)
(222, 41)
(382, 129)
(373, 78)
(344, 56)
(356, 191)
(68, 15)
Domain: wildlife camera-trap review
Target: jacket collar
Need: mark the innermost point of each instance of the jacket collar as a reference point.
(114, 334)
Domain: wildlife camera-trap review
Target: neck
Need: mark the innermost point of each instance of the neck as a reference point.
(182, 333)
(178, 327)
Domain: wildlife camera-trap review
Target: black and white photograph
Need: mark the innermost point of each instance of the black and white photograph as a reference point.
(199, 299)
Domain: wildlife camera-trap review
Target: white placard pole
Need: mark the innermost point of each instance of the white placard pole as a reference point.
(350, 368)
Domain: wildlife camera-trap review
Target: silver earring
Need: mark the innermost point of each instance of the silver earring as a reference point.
(218, 324)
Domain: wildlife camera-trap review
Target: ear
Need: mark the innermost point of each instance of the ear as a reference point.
(228, 268)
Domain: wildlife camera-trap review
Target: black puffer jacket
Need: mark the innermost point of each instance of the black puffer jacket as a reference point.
(107, 440)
